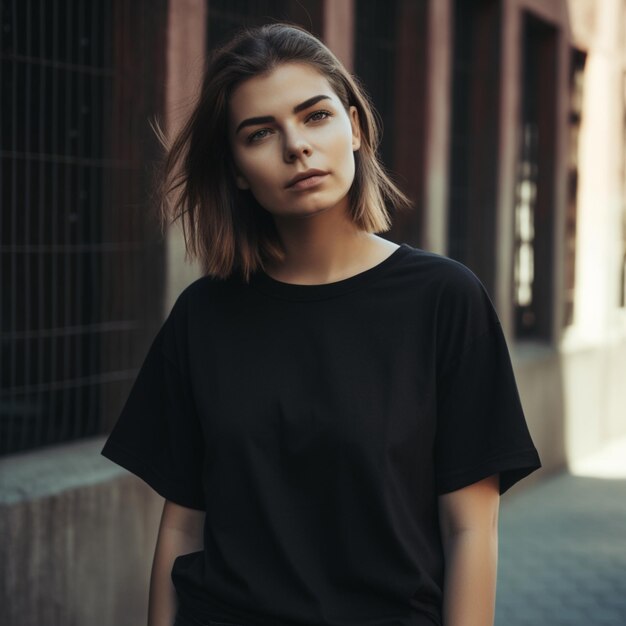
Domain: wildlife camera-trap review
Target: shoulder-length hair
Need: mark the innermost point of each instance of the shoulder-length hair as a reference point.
(225, 228)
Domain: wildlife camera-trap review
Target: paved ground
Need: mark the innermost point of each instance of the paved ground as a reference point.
(562, 553)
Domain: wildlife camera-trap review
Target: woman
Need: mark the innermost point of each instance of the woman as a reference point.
(330, 417)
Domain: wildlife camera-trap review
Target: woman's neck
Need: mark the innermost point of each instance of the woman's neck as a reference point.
(318, 253)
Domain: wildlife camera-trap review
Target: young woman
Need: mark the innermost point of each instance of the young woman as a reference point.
(330, 417)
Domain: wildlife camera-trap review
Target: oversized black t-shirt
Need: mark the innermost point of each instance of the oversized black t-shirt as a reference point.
(316, 425)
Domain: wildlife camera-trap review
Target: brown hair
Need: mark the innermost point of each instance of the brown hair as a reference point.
(225, 227)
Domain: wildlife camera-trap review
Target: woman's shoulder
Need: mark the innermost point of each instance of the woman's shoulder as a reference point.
(444, 276)
(194, 300)
(456, 296)
(192, 309)
(205, 288)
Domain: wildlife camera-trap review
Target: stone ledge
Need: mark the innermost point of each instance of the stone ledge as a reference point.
(51, 470)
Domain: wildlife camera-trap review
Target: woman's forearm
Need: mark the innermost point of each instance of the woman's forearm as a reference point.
(471, 563)
(174, 538)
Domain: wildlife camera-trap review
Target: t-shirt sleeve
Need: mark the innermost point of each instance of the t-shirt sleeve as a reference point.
(481, 427)
(158, 435)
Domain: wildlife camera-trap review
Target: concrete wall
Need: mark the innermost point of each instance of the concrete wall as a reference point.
(78, 534)
(594, 347)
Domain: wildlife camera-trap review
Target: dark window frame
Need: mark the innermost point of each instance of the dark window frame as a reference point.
(391, 60)
(578, 59)
(475, 136)
(535, 189)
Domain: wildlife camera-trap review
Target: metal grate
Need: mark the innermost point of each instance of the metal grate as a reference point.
(75, 235)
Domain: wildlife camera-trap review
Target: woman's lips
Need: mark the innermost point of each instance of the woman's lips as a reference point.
(308, 183)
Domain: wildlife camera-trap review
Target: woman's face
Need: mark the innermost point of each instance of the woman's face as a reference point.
(287, 123)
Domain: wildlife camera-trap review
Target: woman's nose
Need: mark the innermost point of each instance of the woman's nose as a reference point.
(295, 147)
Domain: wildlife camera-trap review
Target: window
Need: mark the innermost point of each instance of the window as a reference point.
(534, 199)
(81, 260)
(390, 59)
(475, 137)
(576, 78)
(226, 16)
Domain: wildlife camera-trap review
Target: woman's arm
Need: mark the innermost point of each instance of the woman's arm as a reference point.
(468, 520)
(180, 532)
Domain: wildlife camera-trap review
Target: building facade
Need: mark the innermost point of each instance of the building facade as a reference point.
(504, 121)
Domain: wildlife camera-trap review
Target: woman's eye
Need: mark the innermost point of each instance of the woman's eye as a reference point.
(258, 135)
(318, 116)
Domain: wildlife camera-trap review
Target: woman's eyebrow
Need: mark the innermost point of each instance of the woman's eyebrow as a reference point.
(252, 121)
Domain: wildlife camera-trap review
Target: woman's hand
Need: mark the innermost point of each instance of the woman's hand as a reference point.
(180, 532)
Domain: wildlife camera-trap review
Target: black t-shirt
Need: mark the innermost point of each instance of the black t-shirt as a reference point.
(316, 425)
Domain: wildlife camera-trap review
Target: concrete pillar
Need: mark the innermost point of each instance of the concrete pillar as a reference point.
(186, 53)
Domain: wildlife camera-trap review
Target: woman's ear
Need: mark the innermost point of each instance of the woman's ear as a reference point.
(356, 128)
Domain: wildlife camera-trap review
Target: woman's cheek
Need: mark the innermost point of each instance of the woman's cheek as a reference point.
(342, 144)
(254, 168)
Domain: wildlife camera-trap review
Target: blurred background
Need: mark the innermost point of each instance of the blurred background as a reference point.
(504, 121)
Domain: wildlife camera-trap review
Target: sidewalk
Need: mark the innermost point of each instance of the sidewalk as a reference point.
(562, 552)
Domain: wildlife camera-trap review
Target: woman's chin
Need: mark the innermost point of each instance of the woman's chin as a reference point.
(310, 207)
